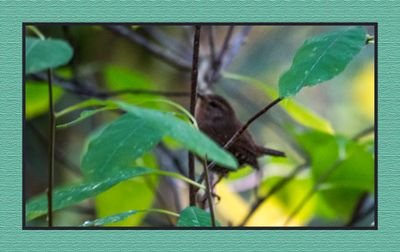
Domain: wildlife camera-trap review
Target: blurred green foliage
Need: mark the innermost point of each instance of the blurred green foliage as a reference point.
(315, 128)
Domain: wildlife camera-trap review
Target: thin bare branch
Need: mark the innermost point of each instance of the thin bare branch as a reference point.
(312, 191)
(195, 63)
(209, 193)
(358, 210)
(364, 133)
(52, 125)
(69, 85)
(165, 40)
(225, 45)
(163, 54)
(228, 52)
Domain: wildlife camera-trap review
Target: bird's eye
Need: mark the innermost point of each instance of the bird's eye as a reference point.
(213, 104)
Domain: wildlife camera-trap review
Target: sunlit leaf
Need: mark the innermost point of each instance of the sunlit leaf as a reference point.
(321, 58)
(298, 112)
(194, 217)
(342, 169)
(120, 78)
(37, 98)
(43, 54)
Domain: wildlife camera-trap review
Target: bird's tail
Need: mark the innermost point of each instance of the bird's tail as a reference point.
(271, 152)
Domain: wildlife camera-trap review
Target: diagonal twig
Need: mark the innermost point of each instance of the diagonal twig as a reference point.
(163, 54)
(273, 190)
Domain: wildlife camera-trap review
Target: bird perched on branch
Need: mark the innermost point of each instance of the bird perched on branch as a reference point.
(217, 119)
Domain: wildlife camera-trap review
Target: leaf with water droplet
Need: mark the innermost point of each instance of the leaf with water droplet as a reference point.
(70, 195)
(321, 58)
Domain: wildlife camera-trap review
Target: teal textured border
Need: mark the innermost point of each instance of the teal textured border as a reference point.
(13, 13)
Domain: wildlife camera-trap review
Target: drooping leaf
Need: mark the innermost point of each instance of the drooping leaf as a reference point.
(194, 217)
(321, 58)
(84, 115)
(82, 105)
(298, 112)
(37, 98)
(43, 54)
(72, 194)
(137, 132)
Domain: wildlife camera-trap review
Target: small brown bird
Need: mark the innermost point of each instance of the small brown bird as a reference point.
(217, 119)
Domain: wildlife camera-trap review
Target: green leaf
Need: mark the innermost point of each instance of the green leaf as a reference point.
(298, 112)
(137, 132)
(354, 164)
(72, 194)
(356, 171)
(350, 169)
(82, 105)
(194, 217)
(321, 58)
(43, 54)
(37, 98)
(122, 216)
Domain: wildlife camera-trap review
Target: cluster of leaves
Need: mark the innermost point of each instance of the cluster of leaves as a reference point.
(113, 153)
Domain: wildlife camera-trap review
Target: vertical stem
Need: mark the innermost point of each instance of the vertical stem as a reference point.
(209, 194)
(51, 152)
(192, 191)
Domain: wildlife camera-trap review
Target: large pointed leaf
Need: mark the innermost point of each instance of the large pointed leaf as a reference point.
(298, 112)
(194, 217)
(321, 58)
(138, 193)
(43, 54)
(137, 132)
(72, 194)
